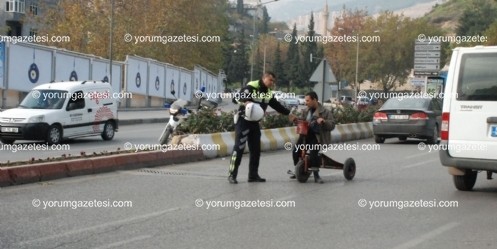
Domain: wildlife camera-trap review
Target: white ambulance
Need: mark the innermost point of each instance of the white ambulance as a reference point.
(469, 118)
(57, 111)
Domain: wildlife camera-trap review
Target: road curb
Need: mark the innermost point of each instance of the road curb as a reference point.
(93, 165)
(271, 139)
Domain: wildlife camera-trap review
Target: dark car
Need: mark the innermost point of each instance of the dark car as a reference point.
(408, 118)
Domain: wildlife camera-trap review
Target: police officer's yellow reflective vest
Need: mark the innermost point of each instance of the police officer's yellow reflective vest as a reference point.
(258, 96)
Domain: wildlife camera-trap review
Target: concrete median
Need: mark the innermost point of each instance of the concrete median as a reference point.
(274, 139)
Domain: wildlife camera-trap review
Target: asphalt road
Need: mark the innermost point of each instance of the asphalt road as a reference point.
(391, 183)
(138, 135)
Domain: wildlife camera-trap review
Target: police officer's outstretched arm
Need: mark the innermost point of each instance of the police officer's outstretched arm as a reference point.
(277, 106)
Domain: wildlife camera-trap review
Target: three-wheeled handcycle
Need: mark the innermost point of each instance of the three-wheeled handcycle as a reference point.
(303, 168)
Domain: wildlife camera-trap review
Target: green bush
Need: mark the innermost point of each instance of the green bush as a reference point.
(349, 114)
(207, 121)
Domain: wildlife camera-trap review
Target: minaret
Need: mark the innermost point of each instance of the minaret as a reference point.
(326, 16)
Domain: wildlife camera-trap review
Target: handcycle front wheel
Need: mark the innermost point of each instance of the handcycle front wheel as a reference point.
(300, 172)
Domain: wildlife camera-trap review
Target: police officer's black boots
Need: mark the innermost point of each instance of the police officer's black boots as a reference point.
(232, 179)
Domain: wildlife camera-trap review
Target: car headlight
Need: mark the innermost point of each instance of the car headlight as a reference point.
(36, 119)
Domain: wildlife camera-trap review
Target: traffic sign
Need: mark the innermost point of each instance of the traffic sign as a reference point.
(426, 54)
(427, 47)
(426, 60)
(426, 67)
(426, 42)
(426, 57)
(418, 81)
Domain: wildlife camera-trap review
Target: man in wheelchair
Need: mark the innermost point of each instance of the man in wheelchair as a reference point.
(320, 126)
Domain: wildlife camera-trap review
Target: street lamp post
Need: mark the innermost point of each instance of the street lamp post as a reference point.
(357, 69)
(110, 40)
(259, 4)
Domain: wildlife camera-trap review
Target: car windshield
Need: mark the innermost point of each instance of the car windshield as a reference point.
(406, 103)
(44, 99)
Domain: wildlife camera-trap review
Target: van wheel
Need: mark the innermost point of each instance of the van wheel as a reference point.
(379, 139)
(108, 132)
(7, 141)
(54, 135)
(434, 138)
(467, 181)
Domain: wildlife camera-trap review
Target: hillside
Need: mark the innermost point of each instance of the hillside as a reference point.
(446, 15)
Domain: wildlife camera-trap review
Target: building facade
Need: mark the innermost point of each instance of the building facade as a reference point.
(15, 15)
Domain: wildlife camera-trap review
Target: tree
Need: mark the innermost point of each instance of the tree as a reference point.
(265, 21)
(278, 68)
(89, 25)
(239, 7)
(258, 63)
(309, 49)
(237, 70)
(390, 60)
(476, 18)
(491, 34)
(342, 55)
(293, 70)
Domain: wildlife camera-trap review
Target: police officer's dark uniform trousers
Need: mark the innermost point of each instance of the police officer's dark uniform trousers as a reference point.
(249, 131)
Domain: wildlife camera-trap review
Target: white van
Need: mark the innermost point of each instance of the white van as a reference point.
(469, 118)
(56, 111)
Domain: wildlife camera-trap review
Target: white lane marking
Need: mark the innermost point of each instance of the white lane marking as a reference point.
(415, 155)
(427, 236)
(124, 242)
(420, 163)
(104, 225)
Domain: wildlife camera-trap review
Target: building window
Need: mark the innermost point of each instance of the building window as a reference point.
(15, 6)
(33, 32)
(33, 8)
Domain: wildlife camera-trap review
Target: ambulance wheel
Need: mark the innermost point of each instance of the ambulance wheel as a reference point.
(349, 169)
(108, 132)
(300, 173)
(54, 134)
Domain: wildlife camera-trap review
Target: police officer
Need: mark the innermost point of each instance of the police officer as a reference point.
(248, 130)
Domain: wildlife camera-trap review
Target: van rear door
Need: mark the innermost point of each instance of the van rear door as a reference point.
(473, 110)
